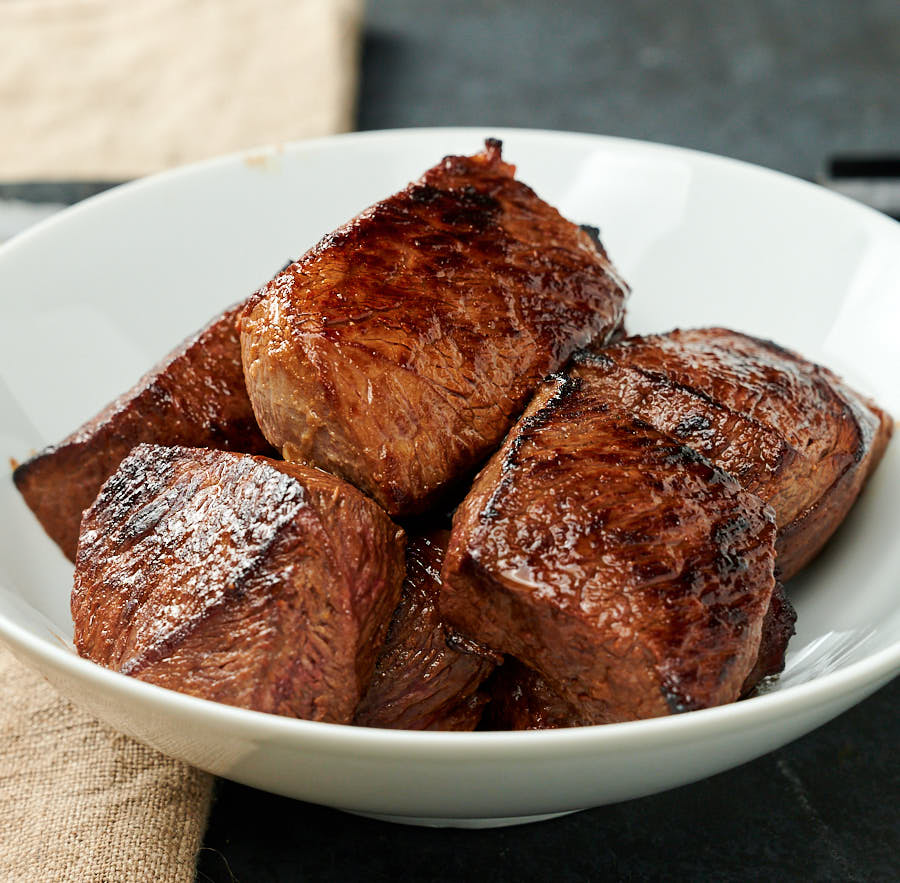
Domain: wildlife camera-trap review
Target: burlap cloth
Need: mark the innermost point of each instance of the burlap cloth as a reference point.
(79, 802)
(113, 89)
(110, 89)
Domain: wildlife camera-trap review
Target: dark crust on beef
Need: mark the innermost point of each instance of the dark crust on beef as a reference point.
(623, 567)
(399, 350)
(238, 579)
(789, 430)
(195, 397)
(425, 678)
(522, 700)
(778, 629)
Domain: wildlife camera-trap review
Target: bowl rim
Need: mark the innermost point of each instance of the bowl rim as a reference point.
(258, 157)
(740, 715)
(872, 670)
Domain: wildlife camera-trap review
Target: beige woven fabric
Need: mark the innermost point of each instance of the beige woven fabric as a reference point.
(82, 804)
(113, 89)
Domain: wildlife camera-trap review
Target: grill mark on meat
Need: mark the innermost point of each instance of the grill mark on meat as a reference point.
(195, 396)
(690, 425)
(565, 386)
(580, 547)
(262, 584)
(788, 429)
(212, 583)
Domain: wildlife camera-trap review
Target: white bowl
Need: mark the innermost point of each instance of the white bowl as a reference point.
(93, 296)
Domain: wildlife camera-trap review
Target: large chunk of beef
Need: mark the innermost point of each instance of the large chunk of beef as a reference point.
(626, 570)
(426, 678)
(787, 429)
(195, 396)
(399, 350)
(236, 578)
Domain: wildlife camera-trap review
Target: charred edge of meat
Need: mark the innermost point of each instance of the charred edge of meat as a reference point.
(590, 357)
(462, 644)
(23, 470)
(779, 626)
(665, 380)
(865, 433)
(691, 424)
(566, 385)
(594, 235)
(825, 381)
(458, 164)
(684, 455)
(493, 147)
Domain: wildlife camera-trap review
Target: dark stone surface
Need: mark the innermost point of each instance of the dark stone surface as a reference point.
(63, 192)
(775, 82)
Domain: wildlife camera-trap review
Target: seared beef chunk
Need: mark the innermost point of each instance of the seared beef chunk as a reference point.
(522, 700)
(425, 678)
(778, 629)
(619, 564)
(788, 430)
(399, 350)
(239, 579)
(195, 397)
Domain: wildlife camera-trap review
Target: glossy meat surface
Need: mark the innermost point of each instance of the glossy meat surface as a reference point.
(239, 579)
(425, 678)
(195, 397)
(789, 430)
(626, 570)
(399, 350)
(522, 700)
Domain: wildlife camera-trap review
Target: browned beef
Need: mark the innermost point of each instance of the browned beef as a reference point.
(522, 700)
(399, 350)
(778, 629)
(789, 430)
(623, 567)
(425, 678)
(239, 579)
(195, 396)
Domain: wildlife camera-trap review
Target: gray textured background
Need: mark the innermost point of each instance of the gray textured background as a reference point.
(775, 82)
